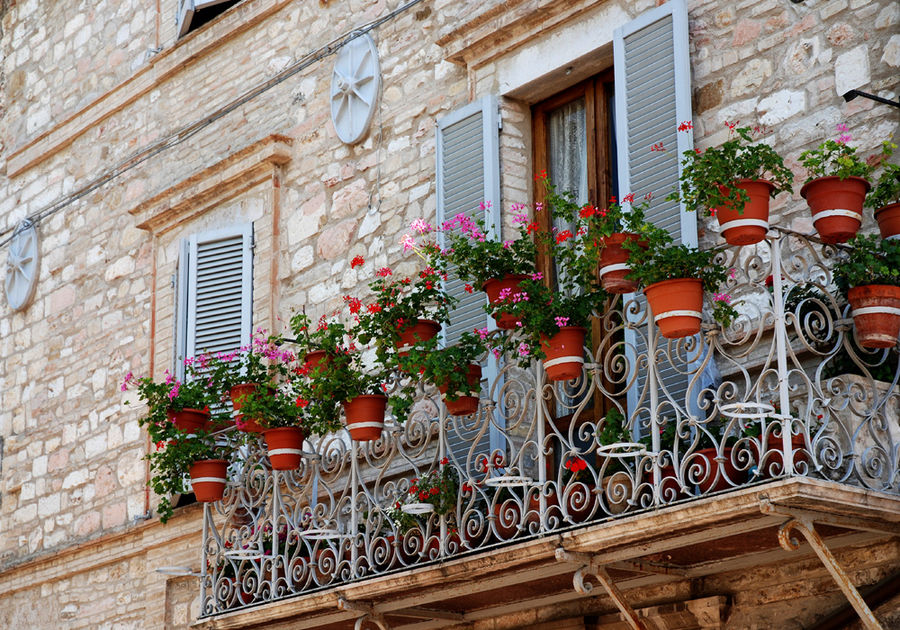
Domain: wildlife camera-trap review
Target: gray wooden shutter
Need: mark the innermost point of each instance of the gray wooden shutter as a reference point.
(218, 310)
(468, 174)
(653, 83)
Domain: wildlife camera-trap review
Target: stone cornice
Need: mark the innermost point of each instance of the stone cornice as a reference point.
(158, 70)
(212, 185)
(504, 27)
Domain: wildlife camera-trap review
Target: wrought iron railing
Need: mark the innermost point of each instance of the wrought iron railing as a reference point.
(784, 391)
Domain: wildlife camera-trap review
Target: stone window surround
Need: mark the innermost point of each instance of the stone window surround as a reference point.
(257, 168)
(158, 70)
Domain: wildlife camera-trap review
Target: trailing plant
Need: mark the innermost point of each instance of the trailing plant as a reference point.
(628, 216)
(262, 361)
(870, 260)
(835, 158)
(886, 190)
(174, 453)
(706, 175)
(438, 487)
(477, 258)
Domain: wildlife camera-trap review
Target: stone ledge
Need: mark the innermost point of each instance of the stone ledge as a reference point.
(212, 185)
(159, 69)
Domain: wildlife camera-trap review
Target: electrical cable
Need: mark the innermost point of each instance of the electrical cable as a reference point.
(191, 129)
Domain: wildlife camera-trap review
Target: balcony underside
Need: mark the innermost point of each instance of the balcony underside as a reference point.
(717, 534)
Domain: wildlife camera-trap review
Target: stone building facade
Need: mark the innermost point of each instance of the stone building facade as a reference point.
(123, 139)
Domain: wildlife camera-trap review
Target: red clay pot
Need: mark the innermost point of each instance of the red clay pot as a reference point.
(774, 454)
(422, 330)
(750, 226)
(876, 314)
(493, 288)
(614, 263)
(189, 420)
(708, 469)
(365, 416)
(238, 393)
(314, 359)
(285, 446)
(677, 306)
(836, 206)
(208, 479)
(888, 219)
(464, 405)
(565, 353)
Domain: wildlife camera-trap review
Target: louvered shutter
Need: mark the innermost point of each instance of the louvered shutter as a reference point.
(468, 174)
(652, 75)
(219, 290)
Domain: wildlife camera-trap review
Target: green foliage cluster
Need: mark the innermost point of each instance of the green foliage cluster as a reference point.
(869, 260)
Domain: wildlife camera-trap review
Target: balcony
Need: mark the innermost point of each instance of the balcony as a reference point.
(776, 426)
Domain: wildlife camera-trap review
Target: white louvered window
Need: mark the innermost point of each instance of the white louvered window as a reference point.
(215, 292)
(468, 175)
(192, 14)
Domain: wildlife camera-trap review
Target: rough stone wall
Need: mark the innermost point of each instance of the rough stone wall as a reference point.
(72, 466)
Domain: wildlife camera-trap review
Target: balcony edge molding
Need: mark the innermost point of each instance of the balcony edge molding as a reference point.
(213, 184)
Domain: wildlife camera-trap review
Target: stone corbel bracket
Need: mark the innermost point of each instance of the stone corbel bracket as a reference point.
(213, 185)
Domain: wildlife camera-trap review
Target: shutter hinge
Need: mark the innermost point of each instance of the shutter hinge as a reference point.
(173, 280)
(499, 118)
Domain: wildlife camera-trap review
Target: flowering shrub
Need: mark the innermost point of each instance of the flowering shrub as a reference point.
(870, 260)
(198, 391)
(449, 366)
(704, 173)
(479, 258)
(439, 487)
(262, 361)
(835, 158)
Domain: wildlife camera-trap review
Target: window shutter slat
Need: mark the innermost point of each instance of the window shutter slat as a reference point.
(468, 167)
(652, 70)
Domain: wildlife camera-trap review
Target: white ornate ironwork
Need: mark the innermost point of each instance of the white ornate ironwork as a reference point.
(783, 391)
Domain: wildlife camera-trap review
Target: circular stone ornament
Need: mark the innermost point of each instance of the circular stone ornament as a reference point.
(22, 266)
(355, 83)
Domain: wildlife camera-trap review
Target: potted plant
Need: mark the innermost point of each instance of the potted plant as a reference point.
(202, 454)
(405, 311)
(884, 198)
(436, 491)
(734, 182)
(453, 370)
(608, 230)
(494, 266)
(835, 188)
(869, 277)
(280, 414)
(260, 364)
(186, 404)
(674, 278)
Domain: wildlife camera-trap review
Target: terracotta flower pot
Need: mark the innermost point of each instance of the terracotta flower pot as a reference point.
(238, 393)
(314, 359)
(189, 420)
(285, 446)
(464, 405)
(836, 206)
(750, 226)
(208, 479)
(565, 353)
(494, 288)
(507, 516)
(876, 314)
(580, 500)
(614, 263)
(714, 476)
(677, 306)
(772, 461)
(422, 330)
(888, 219)
(668, 482)
(365, 417)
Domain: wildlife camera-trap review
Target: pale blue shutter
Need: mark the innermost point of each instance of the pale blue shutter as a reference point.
(219, 292)
(653, 95)
(468, 174)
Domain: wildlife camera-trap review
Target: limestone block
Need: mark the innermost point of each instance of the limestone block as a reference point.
(888, 16)
(348, 201)
(851, 69)
(891, 54)
(781, 106)
(334, 241)
(751, 77)
(121, 267)
(48, 505)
